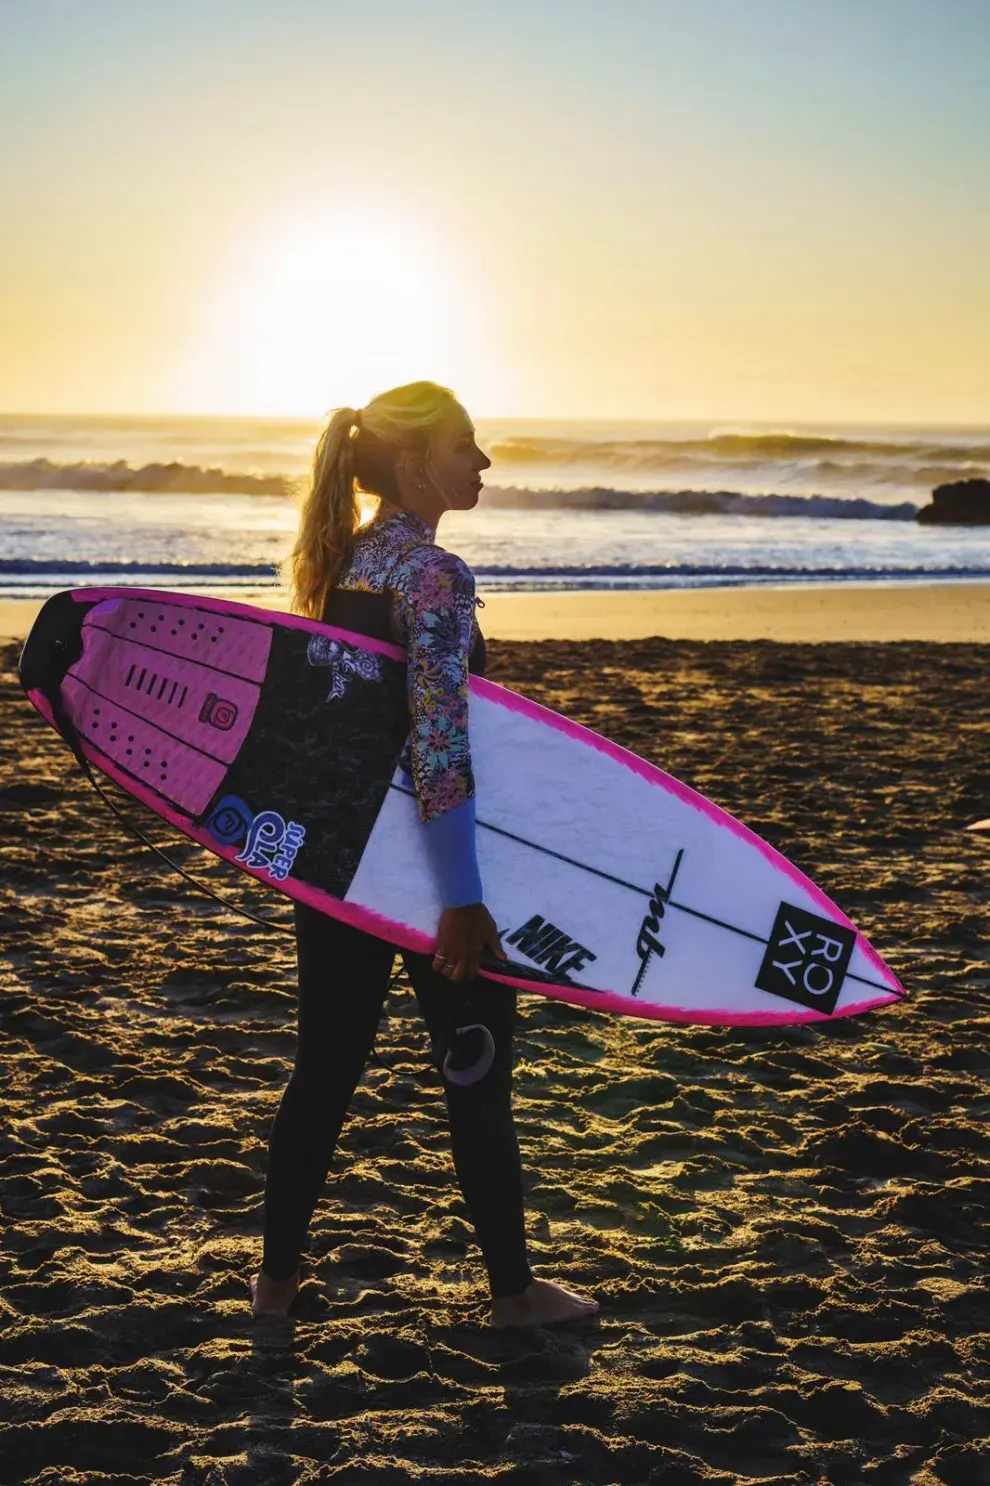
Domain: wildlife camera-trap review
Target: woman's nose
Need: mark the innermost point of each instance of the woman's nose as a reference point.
(485, 461)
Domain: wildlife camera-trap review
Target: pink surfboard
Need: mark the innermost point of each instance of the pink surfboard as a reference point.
(278, 743)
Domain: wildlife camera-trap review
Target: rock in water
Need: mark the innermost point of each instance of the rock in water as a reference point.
(964, 503)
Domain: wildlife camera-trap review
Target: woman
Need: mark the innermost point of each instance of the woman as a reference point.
(414, 448)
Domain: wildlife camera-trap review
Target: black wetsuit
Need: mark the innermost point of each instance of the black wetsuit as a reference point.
(343, 978)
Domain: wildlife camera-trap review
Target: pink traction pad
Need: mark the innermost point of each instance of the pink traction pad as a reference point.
(408, 937)
(168, 720)
(171, 623)
(197, 704)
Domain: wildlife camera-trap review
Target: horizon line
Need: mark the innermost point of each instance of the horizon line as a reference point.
(309, 419)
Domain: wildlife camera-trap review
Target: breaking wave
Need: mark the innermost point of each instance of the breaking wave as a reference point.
(702, 503)
(191, 479)
(805, 463)
(174, 478)
(737, 449)
(32, 567)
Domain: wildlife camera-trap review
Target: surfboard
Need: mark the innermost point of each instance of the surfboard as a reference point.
(279, 744)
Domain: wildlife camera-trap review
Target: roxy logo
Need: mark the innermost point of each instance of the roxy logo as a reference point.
(272, 844)
(806, 958)
(545, 944)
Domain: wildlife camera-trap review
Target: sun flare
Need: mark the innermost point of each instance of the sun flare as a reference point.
(330, 307)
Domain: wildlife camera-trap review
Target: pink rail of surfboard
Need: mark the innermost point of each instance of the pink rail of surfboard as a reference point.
(235, 640)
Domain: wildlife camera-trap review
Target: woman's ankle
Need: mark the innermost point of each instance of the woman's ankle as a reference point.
(513, 1294)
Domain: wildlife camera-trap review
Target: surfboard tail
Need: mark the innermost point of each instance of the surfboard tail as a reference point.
(53, 645)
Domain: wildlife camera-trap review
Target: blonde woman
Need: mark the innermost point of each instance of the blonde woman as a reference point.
(414, 448)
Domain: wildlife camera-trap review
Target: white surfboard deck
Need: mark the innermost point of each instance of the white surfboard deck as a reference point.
(673, 902)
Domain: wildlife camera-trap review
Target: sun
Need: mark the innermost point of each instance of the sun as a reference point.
(330, 306)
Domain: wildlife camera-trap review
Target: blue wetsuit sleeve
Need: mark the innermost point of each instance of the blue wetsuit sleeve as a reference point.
(451, 846)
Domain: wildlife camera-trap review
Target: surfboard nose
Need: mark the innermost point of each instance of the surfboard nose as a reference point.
(53, 645)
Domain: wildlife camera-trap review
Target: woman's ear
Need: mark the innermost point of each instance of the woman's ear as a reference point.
(411, 469)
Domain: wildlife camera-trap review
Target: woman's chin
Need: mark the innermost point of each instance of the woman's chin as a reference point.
(463, 499)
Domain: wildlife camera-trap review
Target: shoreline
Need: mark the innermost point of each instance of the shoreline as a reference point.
(939, 613)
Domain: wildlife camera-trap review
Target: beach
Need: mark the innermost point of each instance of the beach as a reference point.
(809, 613)
(652, 338)
(786, 1228)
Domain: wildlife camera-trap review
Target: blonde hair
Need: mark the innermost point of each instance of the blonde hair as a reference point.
(356, 454)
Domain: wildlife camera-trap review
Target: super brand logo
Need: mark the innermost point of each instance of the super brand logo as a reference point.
(545, 944)
(272, 844)
(806, 958)
(648, 945)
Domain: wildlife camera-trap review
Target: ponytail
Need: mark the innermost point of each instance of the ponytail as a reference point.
(356, 455)
(330, 516)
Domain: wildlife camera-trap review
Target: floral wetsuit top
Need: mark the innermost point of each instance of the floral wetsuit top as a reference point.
(432, 614)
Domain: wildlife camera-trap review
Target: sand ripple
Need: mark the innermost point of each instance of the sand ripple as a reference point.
(787, 1228)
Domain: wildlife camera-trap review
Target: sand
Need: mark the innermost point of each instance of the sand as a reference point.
(948, 612)
(787, 1228)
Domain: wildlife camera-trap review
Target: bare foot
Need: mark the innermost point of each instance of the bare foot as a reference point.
(541, 1304)
(272, 1297)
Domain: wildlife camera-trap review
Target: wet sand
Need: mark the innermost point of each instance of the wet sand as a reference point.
(932, 612)
(787, 1228)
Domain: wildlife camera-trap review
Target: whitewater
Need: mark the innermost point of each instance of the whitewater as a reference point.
(207, 503)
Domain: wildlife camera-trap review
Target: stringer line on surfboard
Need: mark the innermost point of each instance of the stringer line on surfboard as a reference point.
(546, 850)
(635, 888)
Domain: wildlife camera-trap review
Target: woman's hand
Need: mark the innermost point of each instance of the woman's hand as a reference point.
(462, 938)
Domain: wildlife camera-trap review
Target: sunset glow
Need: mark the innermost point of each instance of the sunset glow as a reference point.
(666, 210)
(328, 307)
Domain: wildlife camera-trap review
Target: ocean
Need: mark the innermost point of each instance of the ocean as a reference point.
(197, 503)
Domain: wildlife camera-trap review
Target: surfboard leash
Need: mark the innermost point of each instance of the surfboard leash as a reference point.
(71, 737)
(68, 731)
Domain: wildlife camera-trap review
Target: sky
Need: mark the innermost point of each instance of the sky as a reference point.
(765, 210)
